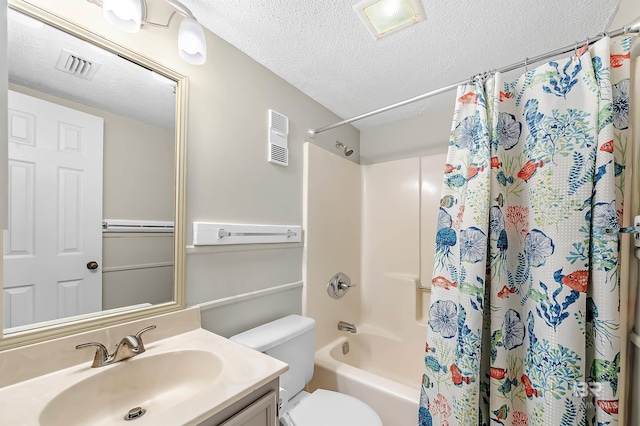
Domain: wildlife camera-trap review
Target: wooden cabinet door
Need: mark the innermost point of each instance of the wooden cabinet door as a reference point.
(260, 413)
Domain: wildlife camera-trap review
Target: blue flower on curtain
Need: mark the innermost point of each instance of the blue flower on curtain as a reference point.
(537, 247)
(604, 216)
(444, 318)
(465, 133)
(508, 130)
(512, 330)
(473, 244)
(496, 221)
(444, 219)
(621, 104)
(471, 133)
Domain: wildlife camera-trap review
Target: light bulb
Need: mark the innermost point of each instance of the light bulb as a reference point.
(391, 7)
(125, 15)
(192, 45)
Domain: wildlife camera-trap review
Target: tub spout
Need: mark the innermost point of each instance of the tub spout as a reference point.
(347, 326)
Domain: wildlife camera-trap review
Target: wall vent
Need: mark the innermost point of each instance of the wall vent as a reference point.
(74, 64)
(278, 134)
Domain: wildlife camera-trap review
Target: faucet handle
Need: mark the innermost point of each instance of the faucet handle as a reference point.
(101, 356)
(138, 337)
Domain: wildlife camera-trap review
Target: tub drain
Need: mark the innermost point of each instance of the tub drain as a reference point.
(135, 413)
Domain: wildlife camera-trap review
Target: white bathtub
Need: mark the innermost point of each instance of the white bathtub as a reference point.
(382, 371)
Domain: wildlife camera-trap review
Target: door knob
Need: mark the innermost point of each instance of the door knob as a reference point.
(92, 265)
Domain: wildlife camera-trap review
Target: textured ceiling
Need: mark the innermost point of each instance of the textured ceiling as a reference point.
(119, 86)
(320, 46)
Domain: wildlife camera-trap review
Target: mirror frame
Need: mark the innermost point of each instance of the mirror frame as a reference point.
(89, 321)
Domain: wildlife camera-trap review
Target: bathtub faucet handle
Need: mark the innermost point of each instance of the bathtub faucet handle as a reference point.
(344, 285)
(339, 284)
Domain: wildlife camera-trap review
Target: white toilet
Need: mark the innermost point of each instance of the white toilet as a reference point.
(291, 340)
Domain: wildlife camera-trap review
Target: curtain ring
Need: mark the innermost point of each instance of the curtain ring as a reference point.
(526, 65)
(575, 49)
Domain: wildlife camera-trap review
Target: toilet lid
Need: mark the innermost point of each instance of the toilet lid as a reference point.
(327, 408)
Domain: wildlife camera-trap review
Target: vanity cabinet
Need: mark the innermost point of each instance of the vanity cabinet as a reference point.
(259, 408)
(260, 413)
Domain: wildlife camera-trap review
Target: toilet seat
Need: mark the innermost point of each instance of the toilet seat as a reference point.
(327, 408)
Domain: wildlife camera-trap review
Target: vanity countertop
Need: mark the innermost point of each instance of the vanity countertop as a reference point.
(238, 372)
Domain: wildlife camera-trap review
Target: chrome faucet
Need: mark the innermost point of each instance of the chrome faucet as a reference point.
(128, 347)
(347, 326)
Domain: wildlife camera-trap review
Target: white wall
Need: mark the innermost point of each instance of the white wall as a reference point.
(425, 134)
(228, 177)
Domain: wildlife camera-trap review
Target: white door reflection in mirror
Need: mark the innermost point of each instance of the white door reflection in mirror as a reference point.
(55, 212)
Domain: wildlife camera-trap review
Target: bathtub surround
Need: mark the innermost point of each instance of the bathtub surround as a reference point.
(387, 217)
(532, 292)
(332, 239)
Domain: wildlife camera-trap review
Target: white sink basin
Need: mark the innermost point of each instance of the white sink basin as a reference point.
(186, 376)
(154, 382)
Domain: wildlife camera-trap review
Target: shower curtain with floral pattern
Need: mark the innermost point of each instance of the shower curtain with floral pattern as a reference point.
(524, 317)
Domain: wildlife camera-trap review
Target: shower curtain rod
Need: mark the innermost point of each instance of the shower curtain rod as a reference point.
(632, 28)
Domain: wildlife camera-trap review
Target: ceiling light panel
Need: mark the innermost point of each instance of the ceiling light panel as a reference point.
(383, 17)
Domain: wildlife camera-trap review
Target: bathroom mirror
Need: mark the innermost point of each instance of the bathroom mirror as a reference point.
(96, 181)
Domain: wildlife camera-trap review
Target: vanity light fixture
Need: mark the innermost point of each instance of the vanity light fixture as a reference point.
(383, 17)
(131, 15)
(125, 15)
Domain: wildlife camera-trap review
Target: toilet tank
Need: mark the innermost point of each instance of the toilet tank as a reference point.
(290, 339)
